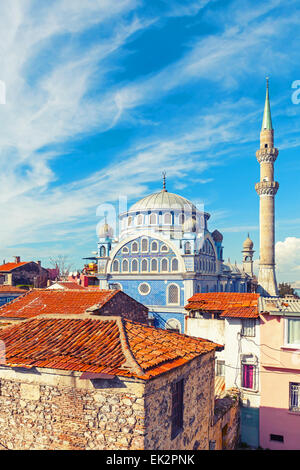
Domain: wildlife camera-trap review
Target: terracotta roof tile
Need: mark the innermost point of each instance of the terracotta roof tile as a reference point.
(12, 289)
(107, 345)
(10, 266)
(228, 304)
(70, 285)
(50, 301)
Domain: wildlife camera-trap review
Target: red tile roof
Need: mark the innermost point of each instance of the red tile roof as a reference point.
(70, 285)
(10, 266)
(49, 301)
(108, 345)
(228, 304)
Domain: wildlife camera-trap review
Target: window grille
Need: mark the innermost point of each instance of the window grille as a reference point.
(144, 288)
(295, 397)
(164, 265)
(144, 265)
(175, 264)
(173, 294)
(177, 408)
(134, 266)
(154, 265)
(125, 266)
(144, 244)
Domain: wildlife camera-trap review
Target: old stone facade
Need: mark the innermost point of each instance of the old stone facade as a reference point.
(125, 306)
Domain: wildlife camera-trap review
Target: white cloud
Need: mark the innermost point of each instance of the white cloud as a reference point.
(287, 255)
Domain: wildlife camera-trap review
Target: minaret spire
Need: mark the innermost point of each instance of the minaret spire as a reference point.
(267, 189)
(164, 181)
(267, 120)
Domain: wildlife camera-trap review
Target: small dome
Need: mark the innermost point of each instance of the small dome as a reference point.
(163, 200)
(217, 236)
(248, 244)
(105, 231)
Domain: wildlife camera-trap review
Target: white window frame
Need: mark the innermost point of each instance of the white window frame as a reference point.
(165, 215)
(147, 240)
(125, 250)
(141, 284)
(245, 328)
(137, 261)
(150, 217)
(174, 270)
(113, 270)
(164, 251)
(286, 333)
(154, 270)
(169, 323)
(155, 251)
(135, 251)
(140, 216)
(168, 266)
(142, 262)
(123, 261)
(168, 292)
(129, 221)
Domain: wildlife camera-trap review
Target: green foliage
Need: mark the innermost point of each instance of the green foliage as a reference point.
(285, 289)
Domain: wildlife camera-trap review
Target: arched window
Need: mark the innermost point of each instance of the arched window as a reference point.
(129, 221)
(144, 244)
(154, 246)
(187, 248)
(140, 219)
(173, 325)
(173, 294)
(164, 265)
(125, 249)
(144, 266)
(168, 219)
(125, 266)
(102, 251)
(153, 219)
(134, 247)
(164, 248)
(116, 266)
(154, 265)
(174, 264)
(134, 266)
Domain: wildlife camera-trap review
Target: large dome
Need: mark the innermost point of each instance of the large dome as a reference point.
(163, 200)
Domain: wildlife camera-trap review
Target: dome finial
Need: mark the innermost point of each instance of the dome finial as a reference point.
(164, 181)
(267, 120)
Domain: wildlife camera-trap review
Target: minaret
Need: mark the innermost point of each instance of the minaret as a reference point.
(248, 256)
(267, 189)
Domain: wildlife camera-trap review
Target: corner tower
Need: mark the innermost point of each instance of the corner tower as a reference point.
(267, 189)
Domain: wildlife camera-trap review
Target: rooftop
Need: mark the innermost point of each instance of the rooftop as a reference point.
(228, 304)
(69, 285)
(11, 289)
(280, 306)
(7, 267)
(50, 301)
(102, 345)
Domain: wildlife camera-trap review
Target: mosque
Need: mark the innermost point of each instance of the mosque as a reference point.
(165, 251)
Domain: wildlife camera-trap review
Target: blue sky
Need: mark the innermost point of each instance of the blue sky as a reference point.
(102, 96)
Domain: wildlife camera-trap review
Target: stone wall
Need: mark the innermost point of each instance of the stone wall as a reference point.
(225, 432)
(198, 404)
(39, 417)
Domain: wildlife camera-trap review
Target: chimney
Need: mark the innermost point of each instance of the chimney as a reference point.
(17, 259)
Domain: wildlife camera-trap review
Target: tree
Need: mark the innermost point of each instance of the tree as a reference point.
(62, 265)
(286, 289)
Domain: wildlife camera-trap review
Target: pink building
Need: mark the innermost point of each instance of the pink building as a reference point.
(280, 374)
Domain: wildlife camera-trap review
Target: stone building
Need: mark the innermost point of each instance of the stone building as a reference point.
(48, 301)
(107, 383)
(23, 273)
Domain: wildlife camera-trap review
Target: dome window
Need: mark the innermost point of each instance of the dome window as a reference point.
(164, 265)
(181, 219)
(140, 219)
(154, 246)
(129, 221)
(125, 266)
(164, 248)
(134, 266)
(125, 249)
(144, 245)
(174, 264)
(167, 219)
(144, 266)
(134, 247)
(154, 265)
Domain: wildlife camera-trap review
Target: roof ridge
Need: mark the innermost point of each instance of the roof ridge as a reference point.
(131, 362)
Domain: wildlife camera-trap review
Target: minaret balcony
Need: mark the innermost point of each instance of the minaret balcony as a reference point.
(267, 155)
(267, 188)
